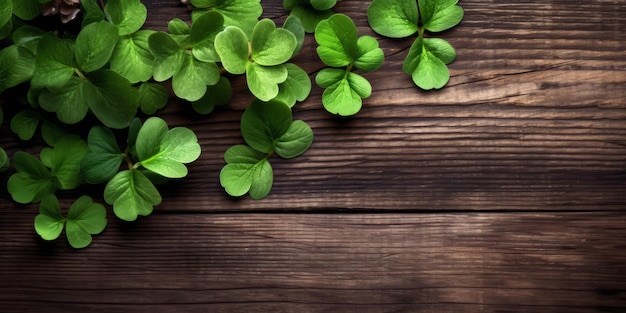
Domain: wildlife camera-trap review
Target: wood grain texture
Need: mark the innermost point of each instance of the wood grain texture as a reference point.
(324, 263)
(503, 192)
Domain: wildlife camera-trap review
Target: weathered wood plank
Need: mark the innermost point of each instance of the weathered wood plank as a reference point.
(549, 262)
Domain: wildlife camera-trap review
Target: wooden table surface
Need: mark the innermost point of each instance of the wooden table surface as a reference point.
(503, 192)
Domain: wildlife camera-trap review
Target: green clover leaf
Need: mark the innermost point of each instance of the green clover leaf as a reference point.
(232, 46)
(92, 12)
(343, 92)
(217, 95)
(394, 18)
(111, 98)
(440, 15)
(25, 123)
(54, 63)
(68, 102)
(4, 160)
(95, 44)
(262, 123)
(241, 13)
(28, 37)
(26, 9)
(296, 87)
(369, 57)
(295, 141)
(337, 40)
(426, 62)
(307, 13)
(294, 25)
(263, 81)
(132, 194)
(127, 15)
(104, 157)
(152, 97)
(168, 55)
(246, 171)
(132, 58)
(270, 45)
(165, 151)
(202, 36)
(64, 160)
(193, 77)
(177, 26)
(32, 181)
(16, 66)
(84, 219)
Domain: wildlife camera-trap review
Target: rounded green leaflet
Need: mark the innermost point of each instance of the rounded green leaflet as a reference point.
(4, 160)
(152, 97)
(6, 11)
(270, 45)
(309, 16)
(103, 158)
(32, 181)
(26, 9)
(54, 63)
(231, 45)
(246, 171)
(132, 194)
(296, 87)
(295, 141)
(16, 66)
(217, 95)
(111, 97)
(84, 218)
(49, 222)
(25, 123)
(426, 62)
(369, 56)
(132, 57)
(294, 25)
(164, 151)
(337, 40)
(393, 18)
(344, 91)
(193, 77)
(263, 80)
(262, 123)
(323, 4)
(95, 44)
(202, 36)
(68, 103)
(440, 15)
(127, 15)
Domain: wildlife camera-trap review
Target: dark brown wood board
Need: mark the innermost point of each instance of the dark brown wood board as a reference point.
(503, 192)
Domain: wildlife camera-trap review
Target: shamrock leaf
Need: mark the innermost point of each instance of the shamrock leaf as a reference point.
(111, 98)
(440, 15)
(168, 55)
(306, 12)
(127, 15)
(394, 18)
(369, 57)
(294, 25)
(131, 193)
(165, 151)
(16, 66)
(191, 80)
(216, 95)
(64, 160)
(4, 160)
(426, 62)
(270, 45)
(26, 9)
(337, 40)
(263, 123)
(344, 91)
(54, 63)
(177, 26)
(28, 37)
(296, 87)
(152, 97)
(32, 181)
(104, 157)
(202, 36)
(246, 171)
(132, 58)
(84, 218)
(261, 60)
(25, 123)
(91, 12)
(295, 141)
(241, 13)
(68, 103)
(95, 44)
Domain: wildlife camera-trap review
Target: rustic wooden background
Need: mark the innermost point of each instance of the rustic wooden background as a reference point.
(503, 192)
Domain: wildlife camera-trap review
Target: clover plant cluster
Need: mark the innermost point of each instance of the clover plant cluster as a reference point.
(103, 73)
(427, 57)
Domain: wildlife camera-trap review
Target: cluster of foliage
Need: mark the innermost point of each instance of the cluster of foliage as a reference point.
(109, 71)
